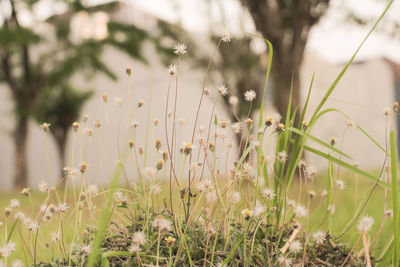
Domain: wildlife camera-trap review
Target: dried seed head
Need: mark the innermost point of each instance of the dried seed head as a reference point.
(7, 211)
(83, 167)
(158, 143)
(45, 126)
(188, 148)
(249, 123)
(97, 123)
(26, 191)
(269, 121)
(305, 124)
(280, 127)
(396, 106)
(164, 155)
(170, 241)
(140, 103)
(105, 97)
(211, 146)
(386, 112)
(128, 70)
(141, 150)
(160, 164)
(333, 141)
(131, 143)
(75, 126)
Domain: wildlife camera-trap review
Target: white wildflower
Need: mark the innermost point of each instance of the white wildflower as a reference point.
(139, 238)
(295, 246)
(43, 186)
(319, 237)
(233, 100)
(172, 69)
(180, 49)
(250, 95)
(268, 193)
(365, 224)
(134, 248)
(282, 156)
(55, 236)
(226, 37)
(14, 204)
(300, 211)
(340, 184)
(222, 90)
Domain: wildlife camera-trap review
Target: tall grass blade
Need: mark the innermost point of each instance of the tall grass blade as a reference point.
(395, 199)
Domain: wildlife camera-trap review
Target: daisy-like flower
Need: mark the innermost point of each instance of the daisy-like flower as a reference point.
(150, 172)
(62, 207)
(226, 37)
(139, 238)
(86, 249)
(172, 70)
(250, 95)
(319, 237)
(389, 213)
(161, 224)
(92, 190)
(258, 209)
(340, 184)
(20, 215)
(17, 263)
(134, 248)
(55, 236)
(268, 193)
(7, 249)
(287, 262)
(222, 90)
(14, 204)
(180, 49)
(282, 156)
(332, 209)
(233, 100)
(32, 226)
(311, 172)
(236, 128)
(211, 196)
(235, 197)
(157, 189)
(300, 211)
(295, 246)
(43, 186)
(365, 224)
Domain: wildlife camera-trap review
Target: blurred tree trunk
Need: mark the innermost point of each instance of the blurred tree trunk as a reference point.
(286, 24)
(20, 161)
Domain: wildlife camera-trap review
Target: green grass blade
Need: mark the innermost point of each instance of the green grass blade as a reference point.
(93, 257)
(339, 77)
(347, 166)
(12, 230)
(320, 142)
(395, 199)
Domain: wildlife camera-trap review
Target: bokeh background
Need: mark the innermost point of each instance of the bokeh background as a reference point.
(58, 58)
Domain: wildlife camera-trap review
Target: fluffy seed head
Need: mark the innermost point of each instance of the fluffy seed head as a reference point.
(365, 224)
